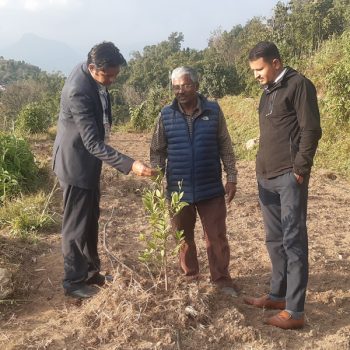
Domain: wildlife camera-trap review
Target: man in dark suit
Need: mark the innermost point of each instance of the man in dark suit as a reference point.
(79, 150)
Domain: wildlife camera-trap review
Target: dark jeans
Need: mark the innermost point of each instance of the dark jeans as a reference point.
(284, 208)
(79, 235)
(212, 213)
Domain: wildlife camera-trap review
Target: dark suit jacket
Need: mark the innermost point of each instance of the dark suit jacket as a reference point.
(79, 148)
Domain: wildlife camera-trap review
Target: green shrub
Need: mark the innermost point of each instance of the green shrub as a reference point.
(242, 122)
(160, 210)
(219, 80)
(33, 118)
(337, 101)
(27, 215)
(18, 170)
(334, 147)
(138, 118)
(329, 69)
(144, 115)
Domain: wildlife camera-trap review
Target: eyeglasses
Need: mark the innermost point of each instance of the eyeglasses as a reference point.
(182, 87)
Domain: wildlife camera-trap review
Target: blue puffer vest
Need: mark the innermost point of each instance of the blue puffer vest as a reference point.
(194, 161)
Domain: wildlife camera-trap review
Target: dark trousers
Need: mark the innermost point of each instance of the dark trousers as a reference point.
(79, 235)
(284, 208)
(212, 213)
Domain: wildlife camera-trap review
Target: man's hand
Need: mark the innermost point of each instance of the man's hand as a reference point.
(299, 178)
(230, 189)
(141, 169)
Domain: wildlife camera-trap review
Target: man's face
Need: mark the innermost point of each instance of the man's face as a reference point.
(265, 72)
(105, 77)
(185, 89)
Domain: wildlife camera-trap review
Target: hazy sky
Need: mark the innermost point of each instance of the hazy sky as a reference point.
(130, 24)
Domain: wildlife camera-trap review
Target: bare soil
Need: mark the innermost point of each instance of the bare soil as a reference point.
(135, 312)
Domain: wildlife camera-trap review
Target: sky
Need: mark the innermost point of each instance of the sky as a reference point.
(130, 24)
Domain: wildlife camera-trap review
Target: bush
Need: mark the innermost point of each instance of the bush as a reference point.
(33, 118)
(219, 80)
(160, 210)
(242, 122)
(138, 118)
(329, 69)
(26, 216)
(334, 147)
(144, 115)
(120, 108)
(18, 170)
(337, 99)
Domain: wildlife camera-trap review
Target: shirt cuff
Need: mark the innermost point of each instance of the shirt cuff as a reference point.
(231, 178)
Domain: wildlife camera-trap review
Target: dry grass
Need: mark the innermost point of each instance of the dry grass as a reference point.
(135, 312)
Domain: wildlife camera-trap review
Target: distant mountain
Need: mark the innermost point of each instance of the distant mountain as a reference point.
(49, 55)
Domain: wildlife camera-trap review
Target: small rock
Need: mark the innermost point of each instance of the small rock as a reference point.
(331, 176)
(190, 311)
(6, 285)
(250, 144)
(229, 291)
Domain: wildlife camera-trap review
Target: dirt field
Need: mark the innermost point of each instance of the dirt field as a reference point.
(134, 312)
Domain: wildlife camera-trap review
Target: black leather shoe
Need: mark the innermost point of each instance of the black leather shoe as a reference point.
(82, 293)
(99, 279)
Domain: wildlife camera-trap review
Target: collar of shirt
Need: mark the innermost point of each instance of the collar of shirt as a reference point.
(104, 101)
(101, 87)
(197, 111)
(280, 76)
(269, 87)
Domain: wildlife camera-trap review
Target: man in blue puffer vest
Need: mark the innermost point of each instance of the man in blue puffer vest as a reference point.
(189, 140)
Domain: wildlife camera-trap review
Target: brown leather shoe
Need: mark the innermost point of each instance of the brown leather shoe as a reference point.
(265, 302)
(285, 320)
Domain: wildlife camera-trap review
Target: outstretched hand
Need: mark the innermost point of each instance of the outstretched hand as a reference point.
(230, 189)
(141, 169)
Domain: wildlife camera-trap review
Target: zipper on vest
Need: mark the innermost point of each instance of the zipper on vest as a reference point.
(193, 161)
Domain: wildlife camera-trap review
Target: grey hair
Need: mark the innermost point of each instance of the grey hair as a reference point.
(181, 71)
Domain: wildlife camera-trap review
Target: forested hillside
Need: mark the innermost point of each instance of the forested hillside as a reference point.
(11, 71)
(313, 37)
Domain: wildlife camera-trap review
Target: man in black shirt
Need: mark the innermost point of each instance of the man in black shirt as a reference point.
(290, 129)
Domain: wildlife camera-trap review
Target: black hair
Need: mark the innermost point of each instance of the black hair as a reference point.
(105, 55)
(266, 50)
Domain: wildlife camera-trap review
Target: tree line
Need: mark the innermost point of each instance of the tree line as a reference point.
(313, 37)
(300, 28)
